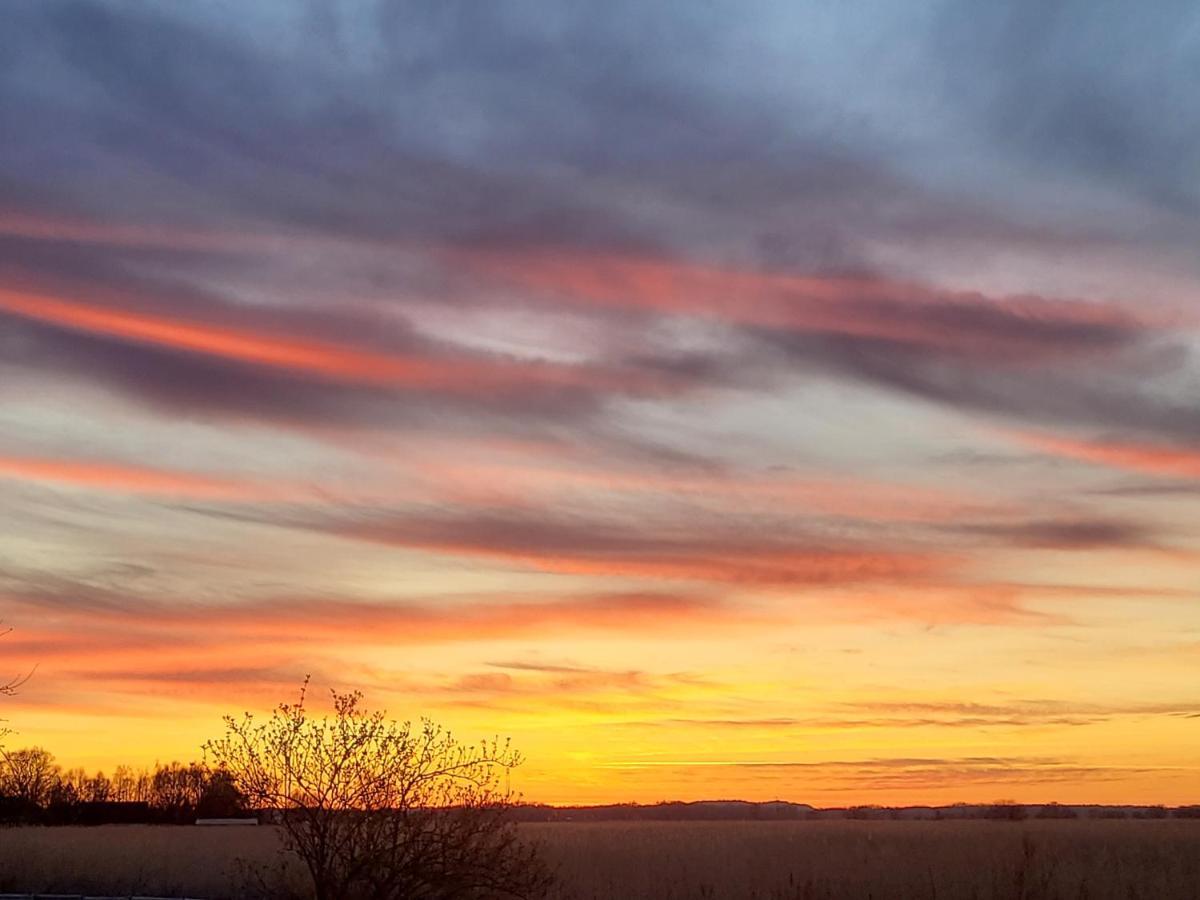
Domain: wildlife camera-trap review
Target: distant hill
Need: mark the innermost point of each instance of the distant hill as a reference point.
(780, 810)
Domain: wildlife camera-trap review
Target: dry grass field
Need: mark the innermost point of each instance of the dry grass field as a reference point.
(836, 860)
(1096, 860)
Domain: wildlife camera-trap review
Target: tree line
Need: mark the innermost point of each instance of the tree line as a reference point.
(34, 789)
(371, 808)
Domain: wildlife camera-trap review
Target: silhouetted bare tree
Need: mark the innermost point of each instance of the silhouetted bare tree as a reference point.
(383, 810)
(8, 688)
(176, 790)
(28, 776)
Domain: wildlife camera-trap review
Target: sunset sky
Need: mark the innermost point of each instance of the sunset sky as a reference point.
(725, 399)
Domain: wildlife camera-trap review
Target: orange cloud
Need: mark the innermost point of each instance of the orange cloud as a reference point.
(124, 478)
(317, 359)
(984, 604)
(167, 236)
(132, 642)
(1147, 458)
(136, 624)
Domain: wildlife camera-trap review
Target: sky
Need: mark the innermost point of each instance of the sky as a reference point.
(724, 399)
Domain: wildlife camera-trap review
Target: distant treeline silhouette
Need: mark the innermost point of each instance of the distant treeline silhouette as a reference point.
(782, 811)
(34, 789)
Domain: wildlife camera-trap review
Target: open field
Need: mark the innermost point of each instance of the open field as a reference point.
(786, 860)
(1096, 860)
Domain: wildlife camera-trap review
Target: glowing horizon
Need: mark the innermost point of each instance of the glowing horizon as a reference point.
(765, 416)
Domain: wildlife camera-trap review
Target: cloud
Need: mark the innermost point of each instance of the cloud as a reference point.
(1031, 359)
(1095, 97)
(596, 689)
(1151, 459)
(551, 668)
(831, 723)
(1064, 534)
(210, 676)
(312, 359)
(634, 185)
(920, 773)
(573, 545)
(760, 133)
(945, 602)
(884, 715)
(289, 621)
(788, 305)
(1031, 711)
(550, 478)
(135, 479)
(78, 635)
(1156, 488)
(190, 366)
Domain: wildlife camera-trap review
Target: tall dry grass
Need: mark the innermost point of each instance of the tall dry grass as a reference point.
(1072, 860)
(1039, 860)
(162, 860)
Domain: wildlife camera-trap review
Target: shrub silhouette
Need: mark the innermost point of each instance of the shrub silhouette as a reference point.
(380, 809)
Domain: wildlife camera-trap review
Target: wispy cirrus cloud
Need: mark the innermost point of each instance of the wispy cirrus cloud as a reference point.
(122, 478)
(309, 358)
(1065, 533)
(469, 335)
(571, 545)
(919, 773)
(1133, 456)
(954, 324)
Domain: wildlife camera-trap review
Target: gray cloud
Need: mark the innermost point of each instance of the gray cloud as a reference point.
(702, 548)
(611, 129)
(1117, 387)
(1085, 89)
(622, 126)
(1064, 534)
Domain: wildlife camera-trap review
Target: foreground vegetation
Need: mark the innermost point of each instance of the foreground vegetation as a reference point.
(361, 807)
(34, 790)
(1032, 860)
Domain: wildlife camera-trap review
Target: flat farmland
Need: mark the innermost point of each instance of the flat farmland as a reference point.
(839, 859)
(983, 860)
